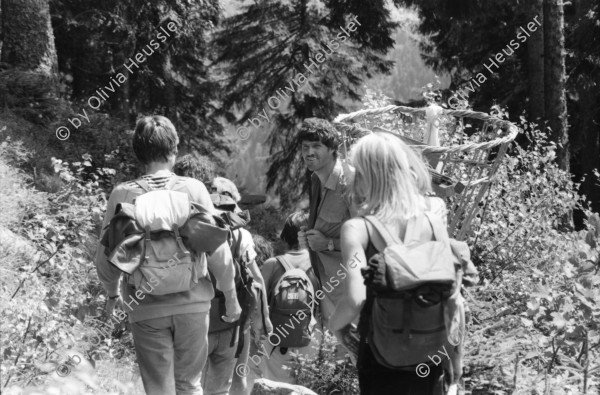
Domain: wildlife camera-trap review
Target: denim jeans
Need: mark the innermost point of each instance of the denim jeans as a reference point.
(240, 384)
(220, 364)
(171, 353)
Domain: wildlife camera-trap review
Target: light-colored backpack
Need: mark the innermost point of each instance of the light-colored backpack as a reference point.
(416, 312)
(290, 303)
(167, 265)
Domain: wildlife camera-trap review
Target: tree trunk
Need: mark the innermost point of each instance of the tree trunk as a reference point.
(555, 78)
(585, 144)
(535, 64)
(28, 39)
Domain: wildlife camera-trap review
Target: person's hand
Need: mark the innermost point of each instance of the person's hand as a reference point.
(302, 242)
(232, 307)
(316, 240)
(111, 303)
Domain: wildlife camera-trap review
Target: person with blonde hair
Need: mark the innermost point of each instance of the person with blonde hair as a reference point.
(391, 183)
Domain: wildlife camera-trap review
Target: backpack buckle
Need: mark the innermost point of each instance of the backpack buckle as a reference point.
(147, 243)
(179, 239)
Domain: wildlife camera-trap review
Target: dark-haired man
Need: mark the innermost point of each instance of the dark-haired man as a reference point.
(170, 330)
(329, 208)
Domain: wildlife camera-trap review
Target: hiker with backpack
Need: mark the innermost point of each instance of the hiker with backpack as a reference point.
(159, 238)
(229, 343)
(330, 206)
(403, 276)
(291, 286)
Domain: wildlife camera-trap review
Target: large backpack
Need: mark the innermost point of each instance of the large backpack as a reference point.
(167, 265)
(290, 305)
(417, 312)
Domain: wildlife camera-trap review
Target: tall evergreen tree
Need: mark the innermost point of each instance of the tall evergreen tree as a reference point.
(555, 78)
(267, 55)
(172, 79)
(465, 34)
(28, 41)
(28, 61)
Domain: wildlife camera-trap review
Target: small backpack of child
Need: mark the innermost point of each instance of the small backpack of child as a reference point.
(417, 312)
(290, 305)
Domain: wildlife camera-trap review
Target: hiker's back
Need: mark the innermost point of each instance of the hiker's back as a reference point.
(152, 205)
(291, 296)
(243, 253)
(410, 278)
(169, 324)
(195, 189)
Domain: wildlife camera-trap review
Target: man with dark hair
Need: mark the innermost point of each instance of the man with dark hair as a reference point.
(169, 330)
(329, 207)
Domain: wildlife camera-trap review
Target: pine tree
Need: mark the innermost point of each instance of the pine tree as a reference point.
(266, 53)
(173, 80)
(463, 35)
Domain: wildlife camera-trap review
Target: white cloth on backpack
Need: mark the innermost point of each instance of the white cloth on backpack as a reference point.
(161, 209)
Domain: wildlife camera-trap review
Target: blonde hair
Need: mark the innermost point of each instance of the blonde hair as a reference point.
(391, 179)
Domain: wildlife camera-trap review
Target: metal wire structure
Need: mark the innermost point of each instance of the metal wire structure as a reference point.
(464, 149)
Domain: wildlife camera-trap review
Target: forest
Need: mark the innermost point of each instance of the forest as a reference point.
(235, 79)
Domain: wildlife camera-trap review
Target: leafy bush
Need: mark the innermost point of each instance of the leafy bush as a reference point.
(50, 288)
(536, 313)
(539, 301)
(328, 372)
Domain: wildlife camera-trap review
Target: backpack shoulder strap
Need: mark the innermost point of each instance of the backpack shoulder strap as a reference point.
(146, 187)
(172, 181)
(306, 265)
(236, 237)
(143, 184)
(387, 236)
(284, 262)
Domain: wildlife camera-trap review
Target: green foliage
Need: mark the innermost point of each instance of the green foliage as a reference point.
(264, 48)
(536, 314)
(173, 80)
(267, 221)
(49, 288)
(540, 297)
(463, 36)
(327, 372)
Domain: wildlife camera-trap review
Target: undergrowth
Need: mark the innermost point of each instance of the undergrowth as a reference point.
(534, 317)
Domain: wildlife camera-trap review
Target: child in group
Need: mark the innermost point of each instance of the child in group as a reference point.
(390, 184)
(267, 360)
(219, 375)
(221, 356)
